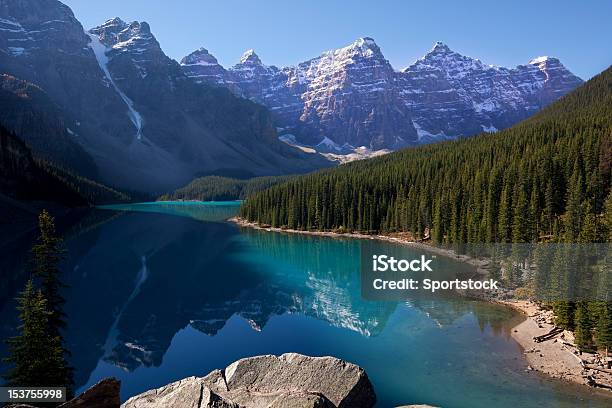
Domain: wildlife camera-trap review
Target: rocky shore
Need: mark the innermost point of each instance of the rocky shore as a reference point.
(557, 356)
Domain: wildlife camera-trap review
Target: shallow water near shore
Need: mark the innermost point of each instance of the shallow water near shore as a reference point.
(161, 291)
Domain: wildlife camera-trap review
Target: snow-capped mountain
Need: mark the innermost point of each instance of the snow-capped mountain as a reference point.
(353, 97)
(204, 67)
(134, 110)
(452, 95)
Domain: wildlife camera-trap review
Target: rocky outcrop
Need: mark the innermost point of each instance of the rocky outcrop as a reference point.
(352, 96)
(288, 381)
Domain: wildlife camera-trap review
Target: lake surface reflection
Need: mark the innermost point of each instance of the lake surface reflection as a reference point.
(159, 292)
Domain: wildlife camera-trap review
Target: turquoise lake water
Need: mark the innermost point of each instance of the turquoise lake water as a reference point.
(161, 291)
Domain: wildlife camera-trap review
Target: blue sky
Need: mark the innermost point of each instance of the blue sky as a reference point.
(504, 32)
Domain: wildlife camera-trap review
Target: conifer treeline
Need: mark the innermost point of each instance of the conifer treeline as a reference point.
(546, 179)
(217, 188)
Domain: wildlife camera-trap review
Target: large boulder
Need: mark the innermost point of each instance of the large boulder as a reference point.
(289, 381)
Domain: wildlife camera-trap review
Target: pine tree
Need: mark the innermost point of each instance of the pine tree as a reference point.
(603, 331)
(573, 213)
(520, 218)
(548, 211)
(589, 231)
(438, 231)
(583, 334)
(37, 357)
(533, 224)
(564, 314)
(607, 217)
(504, 219)
(46, 256)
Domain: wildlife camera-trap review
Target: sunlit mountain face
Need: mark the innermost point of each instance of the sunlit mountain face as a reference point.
(352, 98)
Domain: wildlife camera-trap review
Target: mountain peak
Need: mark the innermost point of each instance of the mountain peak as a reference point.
(142, 27)
(365, 42)
(364, 46)
(201, 56)
(115, 21)
(249, 57)
(439, 48)
(117, 26)
(544, 60)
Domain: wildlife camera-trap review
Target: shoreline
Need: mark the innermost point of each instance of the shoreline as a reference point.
(557, 357)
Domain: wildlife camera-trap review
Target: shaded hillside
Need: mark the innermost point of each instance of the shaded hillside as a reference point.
(27, 183)
(27, 110)
(23, 180)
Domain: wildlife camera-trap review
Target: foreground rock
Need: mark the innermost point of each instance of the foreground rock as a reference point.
(289, 381)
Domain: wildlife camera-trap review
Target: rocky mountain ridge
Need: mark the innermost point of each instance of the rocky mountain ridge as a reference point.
(353, 97)
(147, 126)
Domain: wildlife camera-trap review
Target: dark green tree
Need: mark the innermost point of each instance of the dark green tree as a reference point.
(603, 331)
(583, 327)
(37, 357)
(47, 253)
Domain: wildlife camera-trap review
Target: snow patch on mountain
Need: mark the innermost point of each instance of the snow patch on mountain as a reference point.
(539, 60)
(100, 51)
(328, 145)
(425, 136)
(332, 151)
(489, 129)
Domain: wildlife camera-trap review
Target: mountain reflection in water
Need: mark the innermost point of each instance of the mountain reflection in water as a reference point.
(159, 292)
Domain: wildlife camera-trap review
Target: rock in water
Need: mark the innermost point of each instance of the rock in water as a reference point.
(289, 381)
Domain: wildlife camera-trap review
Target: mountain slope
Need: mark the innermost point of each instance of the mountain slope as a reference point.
(146, 124)
(29, 112)
(353, 96)
(26, 181)
(511, 186)
(22, 179)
